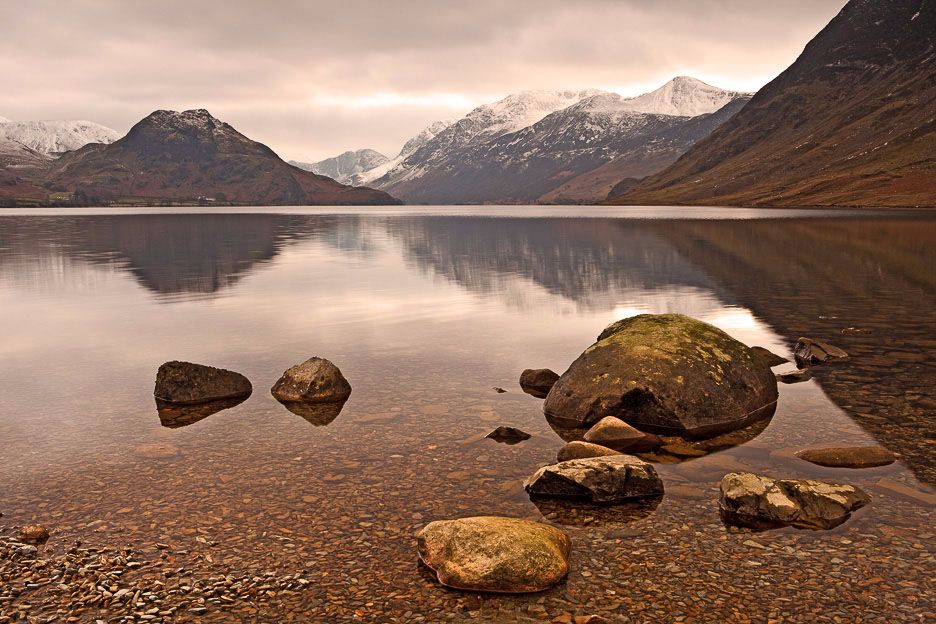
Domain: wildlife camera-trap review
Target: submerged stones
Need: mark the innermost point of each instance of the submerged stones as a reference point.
(495, 554)
(665, 373)
(508, 435)
(606, 480)
(185, 383)
(583, 450)
(538, 381)
(616, 434)
(751, 500)
(808, 352)
(848, 456)
(316, 380)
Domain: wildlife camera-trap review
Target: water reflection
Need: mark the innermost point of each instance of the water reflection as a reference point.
(318, 414)
(174, 416)
(587, 514)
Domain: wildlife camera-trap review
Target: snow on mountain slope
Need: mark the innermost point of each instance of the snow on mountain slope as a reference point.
(682, 96)
(346, 166)
(4, 120)
(55, 137)
(15, 155)
(427, 134)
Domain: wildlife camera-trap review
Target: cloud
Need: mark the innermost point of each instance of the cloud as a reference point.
(314, 78)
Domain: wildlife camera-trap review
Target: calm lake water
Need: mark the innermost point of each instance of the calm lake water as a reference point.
(425, 310)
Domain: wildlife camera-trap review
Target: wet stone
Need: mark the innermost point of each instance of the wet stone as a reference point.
(583, 450)
(809, 352)
(848, 456)
(606, 480)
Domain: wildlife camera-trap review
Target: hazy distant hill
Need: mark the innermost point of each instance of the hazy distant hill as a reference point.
(345, 167)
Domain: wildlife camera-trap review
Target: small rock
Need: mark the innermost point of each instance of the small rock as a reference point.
(538, 381)
(616, 434)
(848, 456)
(314, 381)
(768, 357)
(808, 351)
(583, 450)
(681, 448)
(791, 377)
(611, 479)
(33, 534)
(498, 390)
(508, 435)
(495, 554)
(751, 500)
(184, 383)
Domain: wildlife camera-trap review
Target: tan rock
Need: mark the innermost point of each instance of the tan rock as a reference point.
(616, 434)
(583, 450)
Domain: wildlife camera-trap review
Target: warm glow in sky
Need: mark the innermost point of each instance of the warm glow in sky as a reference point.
(312, 79)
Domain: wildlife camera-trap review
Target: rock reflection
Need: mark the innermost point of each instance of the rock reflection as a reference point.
(175, 416)
(575, 513)
(318, 414)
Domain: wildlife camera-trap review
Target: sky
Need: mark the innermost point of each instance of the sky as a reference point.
(312, 79)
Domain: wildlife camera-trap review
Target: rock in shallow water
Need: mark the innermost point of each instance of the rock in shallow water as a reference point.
(768, 357)
(33, 534)
(848, 456)
(508, 435)
(185, 383)
(314, 381)
(665, 373)
(538, 381)
(808, 351)
(583, 450)
(616, 434)
(606, 480)
(792, 377)
(751, 500)
(495, 554)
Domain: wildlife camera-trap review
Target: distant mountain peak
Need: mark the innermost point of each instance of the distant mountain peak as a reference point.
(683, 96)
(55, 137)
(346, 167)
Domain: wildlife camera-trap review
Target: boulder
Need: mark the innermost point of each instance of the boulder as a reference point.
(606, 480)
(808, 352)
(314, 381)
(583, 450)
(756, 501)
(616, 434)
(494, 554)
(538, 381)
(792, 377)
(848, 456)
(508, 435)
(33, 534)
(768, 357)
(184, 383)
(665, 373)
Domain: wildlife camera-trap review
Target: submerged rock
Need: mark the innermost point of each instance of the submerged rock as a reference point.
(508, 435)
(583, 450)
(808, 351)
(756, 501)
(797, 376)
(848, 456)
(495, 554)
(157, 450)
(538, 381)
(768, 357)
(616, 434)
(607, 480)
(665, 373)
(314, 381)
(184, 383)
(33, 534)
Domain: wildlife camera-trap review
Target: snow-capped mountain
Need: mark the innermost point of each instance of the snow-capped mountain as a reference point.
(346, 166)
(4, 120)
(55, 137)
(428, 133)
(535, 145)
(15, 155)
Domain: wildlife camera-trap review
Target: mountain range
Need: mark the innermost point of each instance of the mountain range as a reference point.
(850, 122)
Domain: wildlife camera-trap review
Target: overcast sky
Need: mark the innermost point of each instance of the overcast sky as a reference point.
(312, 79)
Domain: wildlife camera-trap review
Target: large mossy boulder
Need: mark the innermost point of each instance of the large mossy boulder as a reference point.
(665, 373)
(495, 554)
(185, 383)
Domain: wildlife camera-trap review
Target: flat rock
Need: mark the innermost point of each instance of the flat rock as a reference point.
(848, 456)
(157, 450)
(665, 373)
(606, 480)
(808, 351)
(495, 554)
(768, 357)
(538, 381)
(314, 381)
(583, 450)
(752, 500)
(797, 376)
(508, 435)
(616, 434)
(185, 383)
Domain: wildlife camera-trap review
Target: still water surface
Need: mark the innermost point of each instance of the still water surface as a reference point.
(425, 310)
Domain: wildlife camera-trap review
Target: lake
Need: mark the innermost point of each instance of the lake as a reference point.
(255, 513)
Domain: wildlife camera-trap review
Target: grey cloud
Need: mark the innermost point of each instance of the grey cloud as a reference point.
(279, 71)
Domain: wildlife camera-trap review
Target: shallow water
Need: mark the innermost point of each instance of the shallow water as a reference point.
(425, 310)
